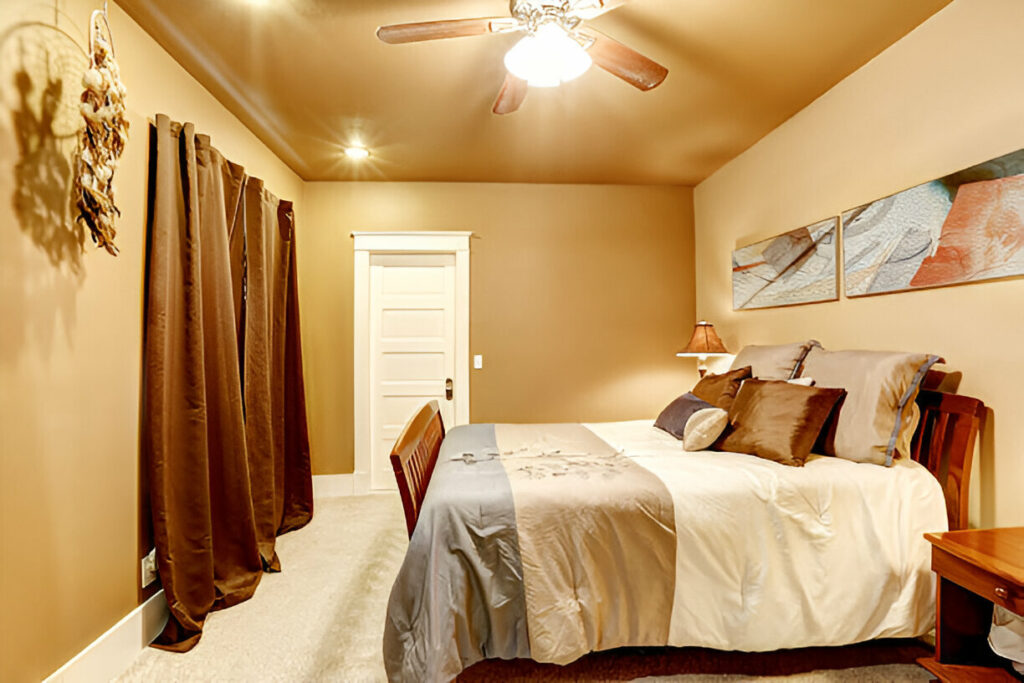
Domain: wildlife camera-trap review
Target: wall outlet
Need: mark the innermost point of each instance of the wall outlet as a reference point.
(478, 362)
(149, 568)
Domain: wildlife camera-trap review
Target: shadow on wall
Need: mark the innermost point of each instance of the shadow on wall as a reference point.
(41, 266)
(42, 176)
(987, 456)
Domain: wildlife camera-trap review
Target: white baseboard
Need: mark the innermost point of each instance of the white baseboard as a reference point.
(333, 485)
(112, 653)
(339, 485)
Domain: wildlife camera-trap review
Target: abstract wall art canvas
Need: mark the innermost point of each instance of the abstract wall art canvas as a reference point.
(797, 267)
(965, 227)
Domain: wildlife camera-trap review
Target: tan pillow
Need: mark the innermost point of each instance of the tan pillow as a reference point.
(720, 390)
(703, 428)
(776, 420)
(780, 361)
(877, 418)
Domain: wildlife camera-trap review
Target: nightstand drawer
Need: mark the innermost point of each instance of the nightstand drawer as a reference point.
(986, 584)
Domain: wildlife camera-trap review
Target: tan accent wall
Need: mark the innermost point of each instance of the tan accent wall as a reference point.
(70, 340)
(580, 295)
(946, 96)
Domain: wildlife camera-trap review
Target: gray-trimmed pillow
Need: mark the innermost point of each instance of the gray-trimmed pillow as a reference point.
(876, 420)
(778, 361)
(676, 414)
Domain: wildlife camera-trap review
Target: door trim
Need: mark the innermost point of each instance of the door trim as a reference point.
(402, 242)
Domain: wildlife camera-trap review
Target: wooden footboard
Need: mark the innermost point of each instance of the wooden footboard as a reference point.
(944, 443)
(413, 458)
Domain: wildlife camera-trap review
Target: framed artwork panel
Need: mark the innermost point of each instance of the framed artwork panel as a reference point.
(796, 267)
(965, 227)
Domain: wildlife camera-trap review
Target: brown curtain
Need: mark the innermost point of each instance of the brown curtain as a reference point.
(224, 418)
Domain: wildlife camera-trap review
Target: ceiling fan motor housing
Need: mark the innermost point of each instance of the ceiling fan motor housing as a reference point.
(565, 5)
(516, 6)
(533, 14)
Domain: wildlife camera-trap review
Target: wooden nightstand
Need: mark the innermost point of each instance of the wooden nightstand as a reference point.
(976, 568)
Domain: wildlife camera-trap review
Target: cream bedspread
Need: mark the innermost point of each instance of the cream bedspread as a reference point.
(774, 557)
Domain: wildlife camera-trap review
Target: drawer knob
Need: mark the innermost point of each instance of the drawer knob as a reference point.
(1002, 593)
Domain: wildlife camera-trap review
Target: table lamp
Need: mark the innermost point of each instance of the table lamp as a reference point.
(704, 342)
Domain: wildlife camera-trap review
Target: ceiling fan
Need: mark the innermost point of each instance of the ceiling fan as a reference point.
(556, 49)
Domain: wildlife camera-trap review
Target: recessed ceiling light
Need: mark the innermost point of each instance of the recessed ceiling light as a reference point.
(357, 153)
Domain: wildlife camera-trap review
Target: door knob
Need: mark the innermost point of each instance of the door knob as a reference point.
(449, 386)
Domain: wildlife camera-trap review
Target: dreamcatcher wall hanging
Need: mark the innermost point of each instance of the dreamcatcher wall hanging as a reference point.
(101, 142)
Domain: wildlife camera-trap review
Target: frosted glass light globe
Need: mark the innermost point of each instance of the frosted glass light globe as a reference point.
(547, 57)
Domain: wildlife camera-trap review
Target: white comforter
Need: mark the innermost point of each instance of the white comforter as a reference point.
(771, 556)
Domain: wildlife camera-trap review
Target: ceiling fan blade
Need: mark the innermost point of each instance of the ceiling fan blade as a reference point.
(452, 28)
(595, 8)
(625, 62)
(511, 97)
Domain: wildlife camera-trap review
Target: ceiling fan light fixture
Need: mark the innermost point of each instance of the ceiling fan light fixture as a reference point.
(547, 57)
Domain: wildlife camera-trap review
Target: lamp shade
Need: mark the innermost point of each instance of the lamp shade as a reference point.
(704, 342)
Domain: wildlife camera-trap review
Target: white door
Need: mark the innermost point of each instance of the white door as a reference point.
(412, 335)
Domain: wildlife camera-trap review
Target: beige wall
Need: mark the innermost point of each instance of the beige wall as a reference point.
(580, 295)
(945, 97)
(70, 342)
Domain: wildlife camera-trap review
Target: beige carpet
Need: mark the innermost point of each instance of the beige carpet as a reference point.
(322, 618)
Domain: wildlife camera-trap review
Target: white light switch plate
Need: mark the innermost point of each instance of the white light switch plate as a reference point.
(478, 362)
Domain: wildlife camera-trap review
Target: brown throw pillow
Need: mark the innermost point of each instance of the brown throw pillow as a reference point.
(720, 390)
(777, 420)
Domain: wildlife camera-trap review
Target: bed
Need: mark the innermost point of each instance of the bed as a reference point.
(551, 541)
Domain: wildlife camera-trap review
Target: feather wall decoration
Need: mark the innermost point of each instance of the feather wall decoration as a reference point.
(102, 140)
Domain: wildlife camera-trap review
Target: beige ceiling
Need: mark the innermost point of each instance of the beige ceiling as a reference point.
(309, 77)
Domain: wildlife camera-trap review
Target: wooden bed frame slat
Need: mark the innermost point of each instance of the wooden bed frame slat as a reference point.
(413, 459)
(943, 443)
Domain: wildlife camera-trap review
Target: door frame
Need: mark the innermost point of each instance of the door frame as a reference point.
(402, 242)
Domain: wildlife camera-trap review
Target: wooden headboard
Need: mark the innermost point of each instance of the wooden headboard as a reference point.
(944, 443)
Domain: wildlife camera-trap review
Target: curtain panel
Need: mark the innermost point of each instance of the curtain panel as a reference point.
(225, 443)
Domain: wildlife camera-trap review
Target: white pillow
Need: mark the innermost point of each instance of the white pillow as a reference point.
(703, 428)
(802, 381)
